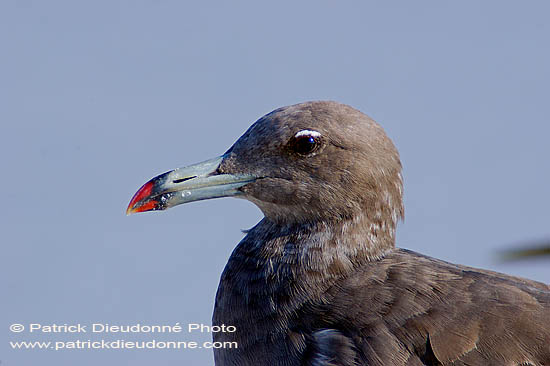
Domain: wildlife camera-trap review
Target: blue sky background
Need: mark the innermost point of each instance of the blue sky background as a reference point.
(98, 97)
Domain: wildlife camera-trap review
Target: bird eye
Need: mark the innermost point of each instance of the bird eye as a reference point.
(305, 142)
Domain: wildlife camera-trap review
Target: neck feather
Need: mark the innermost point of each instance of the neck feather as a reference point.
(276, 269)
(321, 244)
(274, 258)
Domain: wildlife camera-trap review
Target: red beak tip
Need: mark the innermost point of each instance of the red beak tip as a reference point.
(141, 194)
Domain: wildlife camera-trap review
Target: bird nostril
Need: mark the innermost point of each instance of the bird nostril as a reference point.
(183, 179)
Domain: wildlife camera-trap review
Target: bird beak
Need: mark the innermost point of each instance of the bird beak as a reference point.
(193, 183)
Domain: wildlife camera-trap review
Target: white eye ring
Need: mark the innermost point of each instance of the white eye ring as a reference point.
(307, 133)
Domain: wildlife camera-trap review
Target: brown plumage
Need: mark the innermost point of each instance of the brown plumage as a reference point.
(319, 281)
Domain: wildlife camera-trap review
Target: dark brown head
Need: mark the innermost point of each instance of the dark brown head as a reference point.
(318, 160)
(315, 161)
